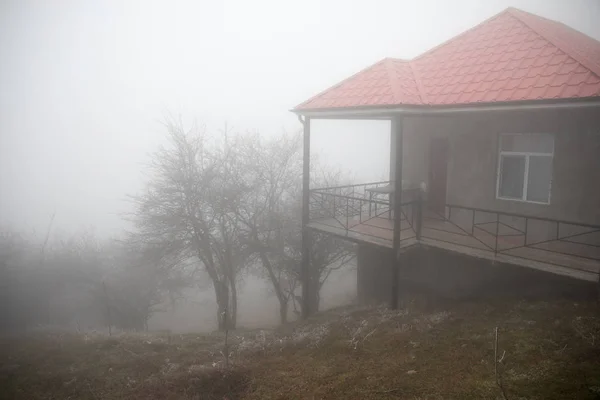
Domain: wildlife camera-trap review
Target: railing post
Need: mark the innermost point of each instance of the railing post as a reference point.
(323, 211)
(419, 222)
(347, 212)
(497, 231)
(334, 198)
(360, 204)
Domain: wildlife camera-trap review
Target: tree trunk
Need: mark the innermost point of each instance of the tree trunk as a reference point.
(222, 296)
(314, 299)
(283, 310)
(314, 294)
(283, 299)
(233, 305)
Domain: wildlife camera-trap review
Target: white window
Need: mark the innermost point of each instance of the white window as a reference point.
(525, 167)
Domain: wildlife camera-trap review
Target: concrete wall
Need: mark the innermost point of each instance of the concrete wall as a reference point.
(449, 275)
(473, 159)
(415, 151)
(374, 274)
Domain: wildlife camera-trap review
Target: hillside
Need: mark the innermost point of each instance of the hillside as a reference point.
(549, 350)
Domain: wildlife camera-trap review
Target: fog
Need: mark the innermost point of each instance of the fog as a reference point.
(86, 87)
(258, 307)
(85, 84)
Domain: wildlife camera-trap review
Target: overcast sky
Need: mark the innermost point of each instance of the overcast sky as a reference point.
(84, 84)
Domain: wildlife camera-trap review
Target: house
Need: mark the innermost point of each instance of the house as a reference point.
(495, 142)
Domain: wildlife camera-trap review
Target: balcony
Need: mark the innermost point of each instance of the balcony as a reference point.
(363, 213)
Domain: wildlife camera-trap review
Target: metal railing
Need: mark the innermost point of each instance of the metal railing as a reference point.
(357, 209)
(354, 209)
(518, 235)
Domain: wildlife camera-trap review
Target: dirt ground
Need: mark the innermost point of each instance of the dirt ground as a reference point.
(548, 350)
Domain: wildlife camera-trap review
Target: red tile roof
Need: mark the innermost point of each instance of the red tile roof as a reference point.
(512, 56)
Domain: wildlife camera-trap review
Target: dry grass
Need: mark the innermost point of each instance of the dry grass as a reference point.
(552, 352)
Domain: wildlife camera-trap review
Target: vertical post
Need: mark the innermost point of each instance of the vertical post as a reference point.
(226, 345)
(305, 274)
(419, 220)
(347, 216)
(360, 204)
(396, 128)
(497, 232)
(393, 152)
(333, 197)
(598, 287)
(107, 308)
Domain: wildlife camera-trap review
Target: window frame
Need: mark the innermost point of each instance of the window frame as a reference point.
(526, 154)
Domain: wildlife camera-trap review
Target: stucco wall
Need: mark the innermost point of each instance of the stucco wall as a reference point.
(473, 159)
(575, 192)
(456, 276)
(415, 150)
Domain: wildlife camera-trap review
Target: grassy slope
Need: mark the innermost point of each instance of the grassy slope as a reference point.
(552, 352)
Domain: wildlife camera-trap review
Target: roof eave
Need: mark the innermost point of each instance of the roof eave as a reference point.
(380, 112)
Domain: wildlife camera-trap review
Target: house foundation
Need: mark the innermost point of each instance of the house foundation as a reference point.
(439, 274)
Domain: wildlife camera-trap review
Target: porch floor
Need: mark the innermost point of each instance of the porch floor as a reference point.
(559, 257)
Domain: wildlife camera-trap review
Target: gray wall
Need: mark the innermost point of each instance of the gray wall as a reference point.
(415, 150)
(448, 275)
(473, 159)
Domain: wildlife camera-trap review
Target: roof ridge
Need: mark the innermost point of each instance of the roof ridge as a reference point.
(453, 38)
(553, 39)
(423, 80)
(420, 86)
(389, 67)
(398, 59)
(322, 92)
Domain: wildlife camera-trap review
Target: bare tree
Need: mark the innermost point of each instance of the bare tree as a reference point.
(186, 215)
(270, 215)
(135, 285)
(81, 281)
(266, 213)
(218, 206)
(327, 254)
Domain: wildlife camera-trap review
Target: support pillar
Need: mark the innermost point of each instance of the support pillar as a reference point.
(305, 273)
(396, 128)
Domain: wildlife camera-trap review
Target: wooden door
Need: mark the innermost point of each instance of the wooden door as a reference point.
(438, 166)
